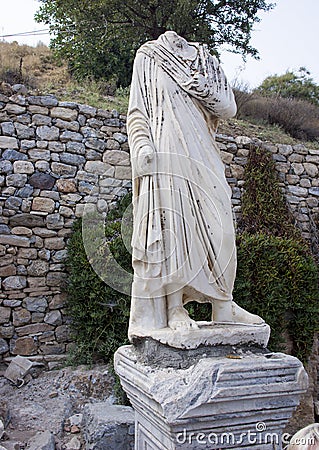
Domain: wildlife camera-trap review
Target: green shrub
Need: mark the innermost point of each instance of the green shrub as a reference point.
(264, 208)
(99, 314)
(277, 279)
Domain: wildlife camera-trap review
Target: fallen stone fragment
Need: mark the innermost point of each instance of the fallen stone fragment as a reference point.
(18, 369)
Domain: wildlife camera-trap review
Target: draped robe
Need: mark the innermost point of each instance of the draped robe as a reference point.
(183, 234)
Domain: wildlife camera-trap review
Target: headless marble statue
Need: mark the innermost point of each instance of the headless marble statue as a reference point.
(183, 235)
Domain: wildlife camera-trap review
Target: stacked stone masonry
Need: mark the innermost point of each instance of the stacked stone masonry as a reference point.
(57, 158)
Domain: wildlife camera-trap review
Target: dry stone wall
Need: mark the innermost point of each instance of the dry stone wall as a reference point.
(55, 158)
(297, 168)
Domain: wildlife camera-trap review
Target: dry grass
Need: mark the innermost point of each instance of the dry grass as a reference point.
(38, 69)
(35, 67)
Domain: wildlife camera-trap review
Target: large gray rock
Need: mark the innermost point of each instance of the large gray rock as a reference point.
(8, 142)
(42, 180)
(108, 427)
(42, 441)
(27, 220)
(47, 133)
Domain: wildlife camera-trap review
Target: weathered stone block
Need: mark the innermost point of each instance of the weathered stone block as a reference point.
(14, 155)
(43, 204)
(35, 304)
(54, 243)
(64, 113)
(5, 314)
(33, 328)
(5, 166)
(71, 136)
(7, 271)
(58, 301)
(24, 346)
(123, 173)
(16, 180)
(95, 144)
(112, 144)
(63, 334)
(117, 158)
(43, 100)
(43, 440)
(53, 317)
(7, 331)
(311, 169)
(38, 268)
(18, 241)
(66, 185)
(54, 221)
(298, 191)
(42, 180)
(15, 109)
(99, 167)
(24, 131)
(47, 133)
(65, 125)
(108, 427)
(41, 119)
(21, 317)
(63, 169)
(26, 220)
(226, 394)
(56, 279)
(87, 110)
(71, 158)
(13, 203)
(23, 167)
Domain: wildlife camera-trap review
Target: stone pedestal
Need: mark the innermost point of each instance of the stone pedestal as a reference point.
(210, 397)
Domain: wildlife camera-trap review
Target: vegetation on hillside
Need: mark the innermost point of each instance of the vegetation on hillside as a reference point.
(41, 72)
(99, 38)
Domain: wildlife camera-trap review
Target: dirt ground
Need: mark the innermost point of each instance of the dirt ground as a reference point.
(51, 401)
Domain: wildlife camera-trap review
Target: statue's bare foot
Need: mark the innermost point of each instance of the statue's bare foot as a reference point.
(178, 319)
(229, 311)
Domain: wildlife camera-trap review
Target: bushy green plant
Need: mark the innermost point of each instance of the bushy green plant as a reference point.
(277, 279)
(264, 207)
(99, 314)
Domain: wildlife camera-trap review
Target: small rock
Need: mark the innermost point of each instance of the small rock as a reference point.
(18, 369)
(53, 394)
(75, 429)
(76, 419)
(74, 444)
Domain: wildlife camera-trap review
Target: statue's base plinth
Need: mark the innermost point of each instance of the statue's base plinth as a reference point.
(210, 334)
(240, 400)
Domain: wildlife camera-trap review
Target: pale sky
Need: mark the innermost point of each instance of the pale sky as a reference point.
(287, 38)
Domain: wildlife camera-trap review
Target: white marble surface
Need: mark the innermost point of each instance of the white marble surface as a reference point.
(183, 234)
(250, 397)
